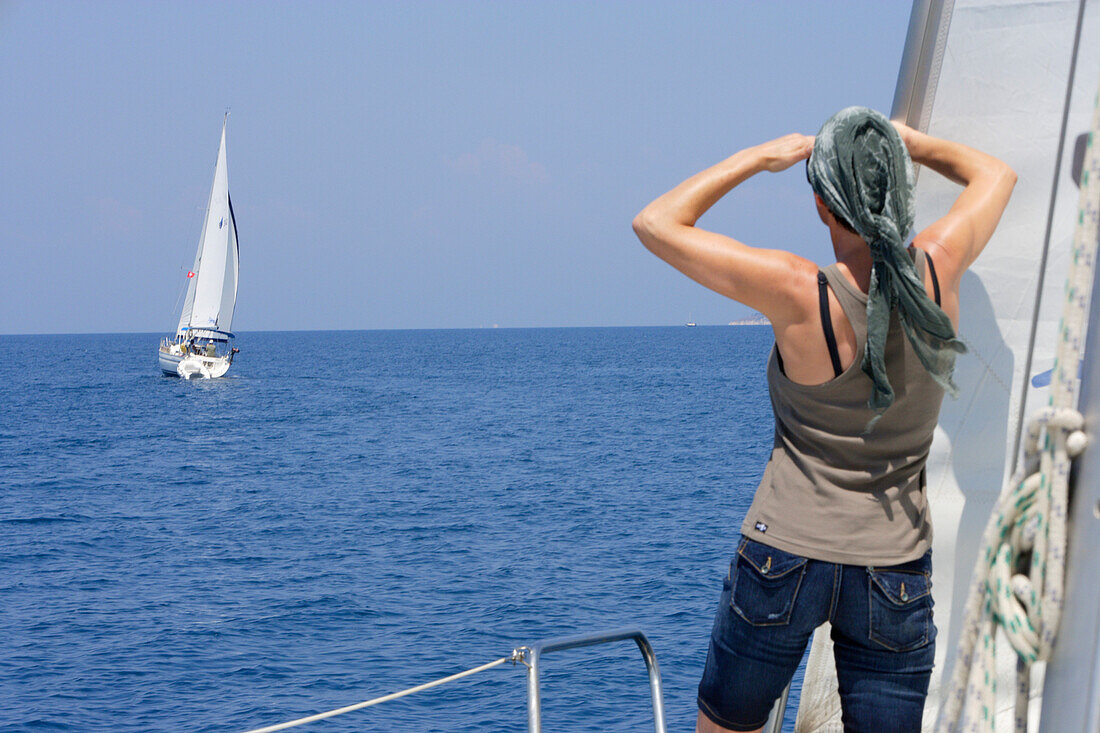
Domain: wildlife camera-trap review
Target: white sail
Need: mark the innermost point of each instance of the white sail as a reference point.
(229, 282)
(212, 290)
(994, 74)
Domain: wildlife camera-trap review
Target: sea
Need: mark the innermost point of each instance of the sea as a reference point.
(351, 513)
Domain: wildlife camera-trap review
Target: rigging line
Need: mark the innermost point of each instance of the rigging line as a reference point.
(186, 283)
(1046, 237)
(175, 308)
(384, 698)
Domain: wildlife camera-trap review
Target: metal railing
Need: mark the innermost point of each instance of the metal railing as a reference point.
(531, 656)
(775, 717)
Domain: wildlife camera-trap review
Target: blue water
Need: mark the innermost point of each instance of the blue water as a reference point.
(351, 513)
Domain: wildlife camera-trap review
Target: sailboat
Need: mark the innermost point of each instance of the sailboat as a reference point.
(200, 347)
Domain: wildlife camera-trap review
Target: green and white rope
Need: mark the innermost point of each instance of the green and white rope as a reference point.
(1019, 578)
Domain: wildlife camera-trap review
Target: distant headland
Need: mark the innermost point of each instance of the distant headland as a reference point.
(757, 319)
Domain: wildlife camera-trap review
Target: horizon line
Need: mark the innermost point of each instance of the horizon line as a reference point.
(740, 322)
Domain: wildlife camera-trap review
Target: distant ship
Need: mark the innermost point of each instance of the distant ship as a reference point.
(200, 347)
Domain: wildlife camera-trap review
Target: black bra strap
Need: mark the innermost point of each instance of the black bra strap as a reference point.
(935, 280)
(931, 271)
(826, 326)
(827, 321)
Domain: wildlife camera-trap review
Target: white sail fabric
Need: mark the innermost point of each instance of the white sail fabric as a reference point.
(229, 282)
(993, 74)
(212, 291)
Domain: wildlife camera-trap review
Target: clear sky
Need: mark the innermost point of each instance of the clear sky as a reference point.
(405, 164)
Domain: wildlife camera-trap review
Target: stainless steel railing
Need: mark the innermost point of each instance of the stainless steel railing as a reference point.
(530, 656)
(775, 718)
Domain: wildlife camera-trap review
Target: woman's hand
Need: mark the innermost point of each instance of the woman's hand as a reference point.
(781, 153)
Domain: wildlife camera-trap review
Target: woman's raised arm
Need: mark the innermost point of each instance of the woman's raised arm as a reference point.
(759, 278)
(959, 237)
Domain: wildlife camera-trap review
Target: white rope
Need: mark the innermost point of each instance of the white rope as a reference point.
(1019, 577)
(384, 698)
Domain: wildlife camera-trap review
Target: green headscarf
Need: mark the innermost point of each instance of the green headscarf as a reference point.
(862, 170)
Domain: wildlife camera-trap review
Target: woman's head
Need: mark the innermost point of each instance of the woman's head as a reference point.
(829, 217)
(862, 172)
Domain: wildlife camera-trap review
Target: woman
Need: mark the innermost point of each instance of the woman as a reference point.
(839, 529)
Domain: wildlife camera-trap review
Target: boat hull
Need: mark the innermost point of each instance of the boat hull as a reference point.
(193, 365)
(169, 363)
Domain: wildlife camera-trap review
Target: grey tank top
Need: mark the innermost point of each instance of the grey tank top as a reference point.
(831, 492)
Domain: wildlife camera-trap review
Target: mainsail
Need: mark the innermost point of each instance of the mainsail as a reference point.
(212, 290)
(1015, 78)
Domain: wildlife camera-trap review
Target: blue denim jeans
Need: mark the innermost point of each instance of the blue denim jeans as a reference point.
(882, 630)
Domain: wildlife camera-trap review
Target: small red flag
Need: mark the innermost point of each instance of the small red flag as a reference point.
(190, 274)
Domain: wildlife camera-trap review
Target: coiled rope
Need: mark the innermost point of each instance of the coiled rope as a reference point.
(1019, 578)
(513, 657)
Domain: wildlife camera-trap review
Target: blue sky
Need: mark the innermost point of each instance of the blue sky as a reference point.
(406, 164)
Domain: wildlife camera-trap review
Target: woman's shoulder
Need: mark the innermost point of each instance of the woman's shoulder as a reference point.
(794, 299)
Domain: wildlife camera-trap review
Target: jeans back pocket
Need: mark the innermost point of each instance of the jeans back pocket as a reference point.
(765, 583)
(901, 608)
